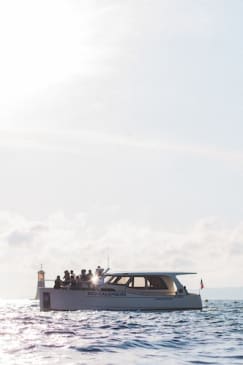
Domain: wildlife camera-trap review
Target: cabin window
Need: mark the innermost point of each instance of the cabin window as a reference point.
(113, 279)
(138, 282)
(156, 282)
(108, 279)
(119, 280)
(122, 280)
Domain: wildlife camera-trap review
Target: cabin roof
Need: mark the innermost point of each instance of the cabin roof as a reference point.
(149, 273)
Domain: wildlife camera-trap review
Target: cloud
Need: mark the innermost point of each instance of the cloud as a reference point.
(17, 238)
(61, 242)
(87, 39)
(75, 141)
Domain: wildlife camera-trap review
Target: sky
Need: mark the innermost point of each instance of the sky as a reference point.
(121, 139)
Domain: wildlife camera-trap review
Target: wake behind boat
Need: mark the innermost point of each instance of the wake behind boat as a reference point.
(122, 291)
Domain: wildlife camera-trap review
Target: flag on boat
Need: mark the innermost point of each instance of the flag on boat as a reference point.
(201, 284)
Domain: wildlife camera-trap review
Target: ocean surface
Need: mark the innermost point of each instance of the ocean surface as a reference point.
(211, 336)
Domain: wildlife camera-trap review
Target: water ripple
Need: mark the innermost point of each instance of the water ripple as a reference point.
(211, 336)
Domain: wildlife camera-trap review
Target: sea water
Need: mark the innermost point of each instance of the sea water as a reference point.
(211, 336)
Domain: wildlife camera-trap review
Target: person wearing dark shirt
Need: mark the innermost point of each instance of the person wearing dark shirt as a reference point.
(72, 282)
(66, 278)
(58, 282)
(89, 278)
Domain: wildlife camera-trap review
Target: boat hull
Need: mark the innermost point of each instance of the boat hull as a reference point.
(67, 299)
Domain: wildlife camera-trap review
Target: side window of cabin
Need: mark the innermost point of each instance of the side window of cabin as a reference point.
(138, 282)
(113, 279)
(119, 280)
(156, 282)
(123, 280)
(108, 279)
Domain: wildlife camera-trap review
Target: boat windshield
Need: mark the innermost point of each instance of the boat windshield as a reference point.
(107, 279)
(119, 280)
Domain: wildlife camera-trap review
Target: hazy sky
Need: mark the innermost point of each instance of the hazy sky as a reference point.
(121, 130)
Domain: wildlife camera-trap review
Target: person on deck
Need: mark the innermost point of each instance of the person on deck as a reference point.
(99, 273)
(58, 282)
(89, 279)
(66, 278)
(83, 279)
(73, 282)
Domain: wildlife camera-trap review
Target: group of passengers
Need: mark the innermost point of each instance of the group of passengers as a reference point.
(86, 279)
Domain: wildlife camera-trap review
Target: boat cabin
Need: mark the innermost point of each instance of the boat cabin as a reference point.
(145, 282)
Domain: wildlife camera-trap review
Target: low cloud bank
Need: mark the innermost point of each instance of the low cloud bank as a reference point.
(60, 242)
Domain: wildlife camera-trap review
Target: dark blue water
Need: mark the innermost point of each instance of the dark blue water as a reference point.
(211, 336)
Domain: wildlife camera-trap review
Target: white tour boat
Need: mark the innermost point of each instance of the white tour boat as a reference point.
(124, 291)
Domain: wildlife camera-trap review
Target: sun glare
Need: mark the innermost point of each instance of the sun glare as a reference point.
(41, 44)
(95, 280)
